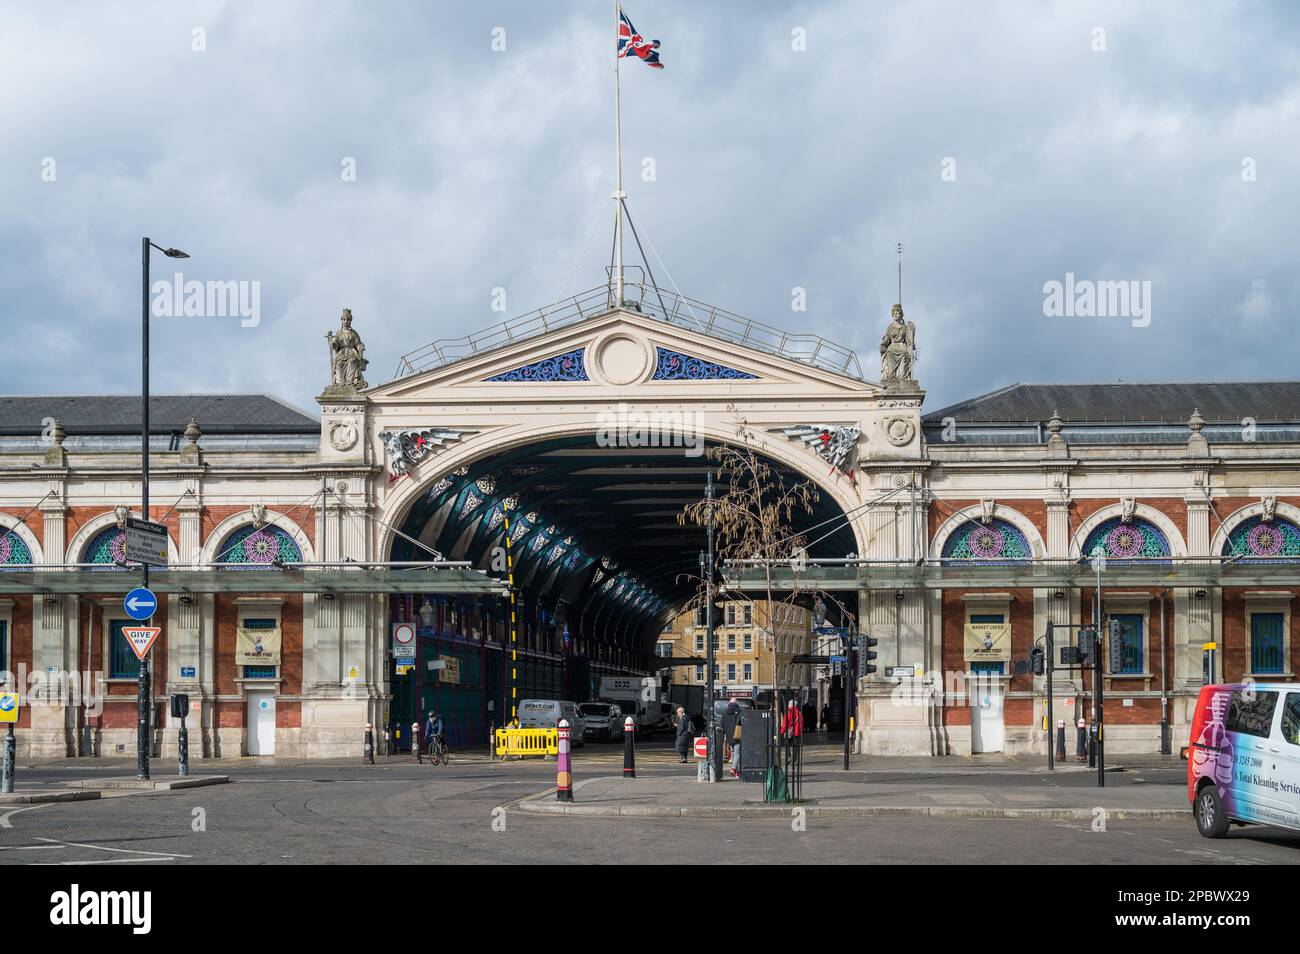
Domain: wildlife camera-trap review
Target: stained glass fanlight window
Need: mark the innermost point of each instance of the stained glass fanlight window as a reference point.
(250, 546)
(1258, 539)
(107, 547)
(997, 541)
(13, 550)
(1138, 539)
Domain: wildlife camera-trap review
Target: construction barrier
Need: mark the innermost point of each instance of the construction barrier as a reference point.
(524, 742)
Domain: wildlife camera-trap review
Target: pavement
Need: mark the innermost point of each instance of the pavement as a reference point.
(1147, 787)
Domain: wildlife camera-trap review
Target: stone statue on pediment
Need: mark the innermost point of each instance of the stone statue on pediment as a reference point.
(898, 352)
(347, 357)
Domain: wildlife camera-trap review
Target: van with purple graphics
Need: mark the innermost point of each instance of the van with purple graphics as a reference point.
(1243, 763)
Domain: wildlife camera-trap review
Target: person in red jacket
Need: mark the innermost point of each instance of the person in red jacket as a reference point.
(792, 722)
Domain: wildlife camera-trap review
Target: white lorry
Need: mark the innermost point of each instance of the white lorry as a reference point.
(639, 697)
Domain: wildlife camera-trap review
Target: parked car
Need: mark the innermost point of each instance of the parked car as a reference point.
(1243, 760)
(603, 721)
(547, 713)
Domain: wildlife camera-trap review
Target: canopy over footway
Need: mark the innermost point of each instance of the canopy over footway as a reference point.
(457, 580)
(851, 576)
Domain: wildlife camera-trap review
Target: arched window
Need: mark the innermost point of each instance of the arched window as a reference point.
(13, 549)
(1257, 539)
(108, 549)
(250, 547)
(1138, 539)
(997, 541)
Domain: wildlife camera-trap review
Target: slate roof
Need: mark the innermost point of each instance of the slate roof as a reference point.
(168, 413)
(1123, 403)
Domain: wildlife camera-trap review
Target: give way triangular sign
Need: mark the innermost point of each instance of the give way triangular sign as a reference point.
(141, 638)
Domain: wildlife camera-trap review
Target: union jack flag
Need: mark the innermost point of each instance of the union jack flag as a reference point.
(631, 43)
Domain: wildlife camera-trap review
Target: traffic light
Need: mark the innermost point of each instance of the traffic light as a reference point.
(1038, 660)
(1087, 645)
(866, 654)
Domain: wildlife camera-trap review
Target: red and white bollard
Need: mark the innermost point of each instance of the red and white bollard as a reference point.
(629, 747)
(563, 770)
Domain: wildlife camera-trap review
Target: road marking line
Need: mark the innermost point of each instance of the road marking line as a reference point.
(4, 819)
(119, 861)
(128, 851)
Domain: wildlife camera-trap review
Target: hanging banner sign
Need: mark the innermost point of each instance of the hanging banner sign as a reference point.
(988, 642)
(450, 669)
(257, 647)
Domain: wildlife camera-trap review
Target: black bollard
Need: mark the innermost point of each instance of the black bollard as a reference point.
(183, 750)
(1080, 740)
(368, 749)
(1060, 740)
(629, 748)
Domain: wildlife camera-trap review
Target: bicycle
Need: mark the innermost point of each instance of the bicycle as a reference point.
(438, 752)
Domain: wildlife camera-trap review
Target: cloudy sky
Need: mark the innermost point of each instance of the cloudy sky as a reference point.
(1005, 145)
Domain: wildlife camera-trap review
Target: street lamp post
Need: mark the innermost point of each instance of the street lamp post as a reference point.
(142, 687)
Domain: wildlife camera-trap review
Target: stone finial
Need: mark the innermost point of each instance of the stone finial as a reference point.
(191, 452)
(1197, 445)
(1056, 443)
(56, 456)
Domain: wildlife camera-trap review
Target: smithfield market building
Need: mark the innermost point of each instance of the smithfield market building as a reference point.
(499, 521)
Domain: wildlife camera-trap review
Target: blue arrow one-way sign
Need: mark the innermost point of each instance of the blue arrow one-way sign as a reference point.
(140, 603)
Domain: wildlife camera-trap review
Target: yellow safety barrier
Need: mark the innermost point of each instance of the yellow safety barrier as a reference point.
(524, 742)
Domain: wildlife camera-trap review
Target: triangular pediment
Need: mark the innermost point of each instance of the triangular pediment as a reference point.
(620, 350)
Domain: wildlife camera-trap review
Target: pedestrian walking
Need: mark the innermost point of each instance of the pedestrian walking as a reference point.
(732, 718)
(683, 734)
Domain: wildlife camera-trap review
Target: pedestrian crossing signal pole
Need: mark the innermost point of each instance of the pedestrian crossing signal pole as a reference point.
(1051, 714)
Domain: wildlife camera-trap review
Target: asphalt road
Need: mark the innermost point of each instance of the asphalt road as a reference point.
(418, 814)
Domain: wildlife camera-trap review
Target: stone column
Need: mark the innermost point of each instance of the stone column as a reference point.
(895, 715)
(53, 655)
(190, 660)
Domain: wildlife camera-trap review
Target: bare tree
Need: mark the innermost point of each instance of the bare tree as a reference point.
(755, 515)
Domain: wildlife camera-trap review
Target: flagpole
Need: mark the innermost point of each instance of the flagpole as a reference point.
(618, 168)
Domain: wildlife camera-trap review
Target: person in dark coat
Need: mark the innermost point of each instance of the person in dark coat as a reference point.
(684, 735)
(731, 724)
(809, 717)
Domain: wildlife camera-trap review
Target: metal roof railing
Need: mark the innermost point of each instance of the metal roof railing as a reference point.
(666, 305)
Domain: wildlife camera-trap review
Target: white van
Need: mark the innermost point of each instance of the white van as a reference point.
(547, 713)
(1244, 758)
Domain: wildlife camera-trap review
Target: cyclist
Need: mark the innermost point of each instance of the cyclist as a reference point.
(433, 730)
